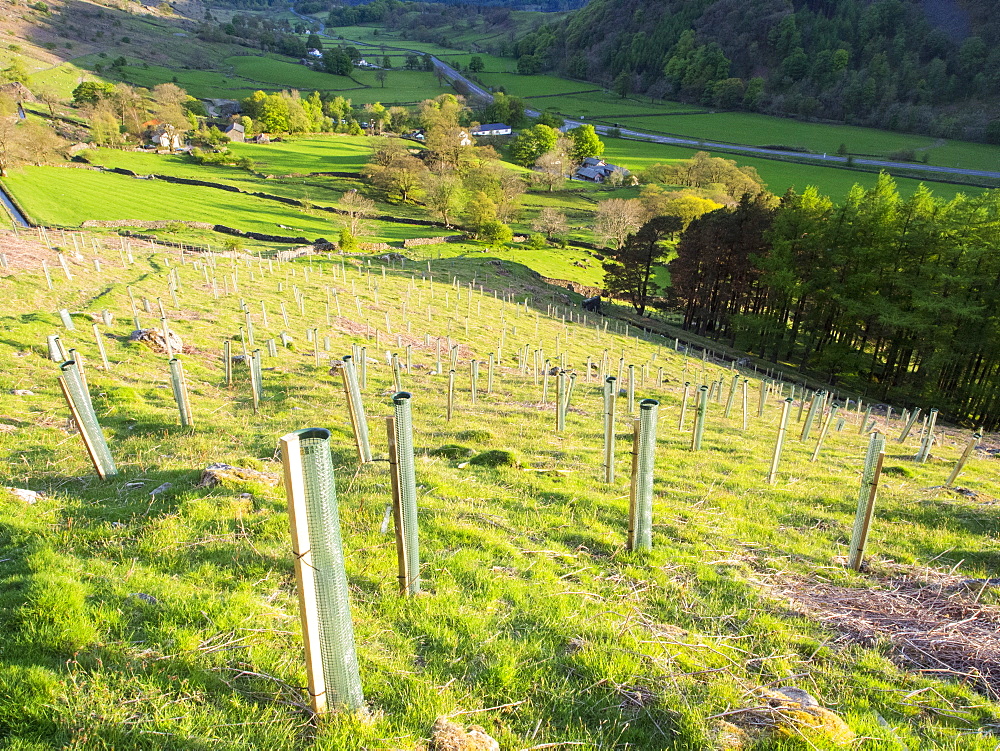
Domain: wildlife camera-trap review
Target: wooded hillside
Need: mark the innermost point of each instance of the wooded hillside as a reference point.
(908, 65)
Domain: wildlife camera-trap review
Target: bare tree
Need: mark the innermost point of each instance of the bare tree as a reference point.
(357, 208)
(38, 144)
(49, 96)
(617, 218)
(550, 170)
(551, 222)
(510, 189)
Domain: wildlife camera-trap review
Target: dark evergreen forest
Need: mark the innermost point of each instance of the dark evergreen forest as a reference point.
(899, 297)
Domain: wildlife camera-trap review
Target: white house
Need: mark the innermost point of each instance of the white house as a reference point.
(464, 139)
(314, 53)
(492, 129)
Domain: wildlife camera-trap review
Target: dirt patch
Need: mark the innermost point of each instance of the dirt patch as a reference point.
(932, 620)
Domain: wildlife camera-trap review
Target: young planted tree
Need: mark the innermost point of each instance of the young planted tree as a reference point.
(628, 271)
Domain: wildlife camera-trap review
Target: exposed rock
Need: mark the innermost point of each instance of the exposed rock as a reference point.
(148, 599)
(785, 713)
(161, 489)
(28, 496)
(448, 736)
(222, 474)
(153, 338)
(22, 392)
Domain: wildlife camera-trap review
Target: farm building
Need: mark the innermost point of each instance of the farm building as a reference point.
(492, 129)
(235, 132)
(597, 170)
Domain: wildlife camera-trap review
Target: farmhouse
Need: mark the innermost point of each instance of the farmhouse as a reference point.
(163, 136)
(492, 129)
(236, 132)
(464, 139)
(597, 170)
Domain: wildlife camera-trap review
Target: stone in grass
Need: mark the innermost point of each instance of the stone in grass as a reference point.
(785, 713)
(449, 736)
(28, 496)
(227, 474)
(495, 458)
(452, 451)
(153, 338)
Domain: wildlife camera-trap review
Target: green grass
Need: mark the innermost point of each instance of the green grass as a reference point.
(61, 78)
(68, 197)
(282, 72)
(600, 104)
(205, 84)
(308, 154)
(401, 87)
(531, 86)
(532, 602)
(778, 175)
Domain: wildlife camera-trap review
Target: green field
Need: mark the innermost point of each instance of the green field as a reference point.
(204, 84)
(530, 86)
(778, 175)
(68, 197)
(134, 619)
(284, 73)
(603, 105)
(306, 154)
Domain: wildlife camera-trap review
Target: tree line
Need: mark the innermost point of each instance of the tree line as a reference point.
(894, 296)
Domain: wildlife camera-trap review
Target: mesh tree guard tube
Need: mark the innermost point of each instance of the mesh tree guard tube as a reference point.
(815, 407)
(610, 396)
(324, 608)
(969, 448)
(404, 491)
(180, 392)
(786, 408)
(86, 420)
(699, 419)
(866, 499)
(356, 409)
(640, 532)
(928, 441)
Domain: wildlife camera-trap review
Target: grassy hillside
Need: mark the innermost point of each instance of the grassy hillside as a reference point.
(133, 620)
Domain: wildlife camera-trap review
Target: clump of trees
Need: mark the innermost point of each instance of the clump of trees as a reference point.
(454, 181)
(24, 142)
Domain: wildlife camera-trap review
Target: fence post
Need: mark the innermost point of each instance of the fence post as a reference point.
(640, 536)
(866, 499)
(324, 607)
(684, 406)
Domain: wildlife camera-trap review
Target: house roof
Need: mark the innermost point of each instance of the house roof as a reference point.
(591, 161)
(609, 168)
(238, 127)
(491, 126)
(590, 173)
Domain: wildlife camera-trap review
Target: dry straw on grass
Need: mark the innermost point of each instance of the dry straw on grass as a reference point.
(933, 620)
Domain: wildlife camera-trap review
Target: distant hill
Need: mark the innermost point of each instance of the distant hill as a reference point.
(930, 66)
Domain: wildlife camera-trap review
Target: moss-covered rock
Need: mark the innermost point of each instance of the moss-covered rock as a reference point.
(452, 451)
(496, 458)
